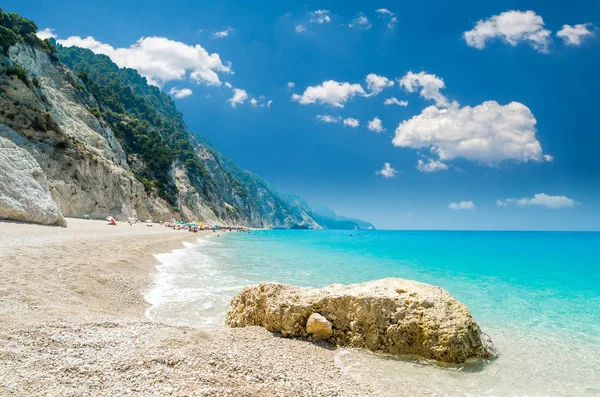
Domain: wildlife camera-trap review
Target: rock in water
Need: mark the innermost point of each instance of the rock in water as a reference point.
(394, 316)
(319, 327)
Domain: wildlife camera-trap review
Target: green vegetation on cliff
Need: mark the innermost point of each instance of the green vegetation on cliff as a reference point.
(14, 28)
(147, 123)
(144, 119)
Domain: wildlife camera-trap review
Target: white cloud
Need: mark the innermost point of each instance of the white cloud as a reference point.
(541, 200)
(351, 122)
(320, 16)
(159, 59)
(488, 132)
(429, 84)
(573, 35)
(463, 205)
(387, 171)
(384, 11)
(376, 83)
(431, 165)
(329, 119)
(512, 27)
(49, 34)
(239, 97)
(330, 92)
(547, 157)
(227, 84)
(395, 101)
(180, 93)
(291, 84)
(269, 102)
(253, 102)
(360, 22)
(300, 29)
(387, 14)
(375, 125)
(223, 33)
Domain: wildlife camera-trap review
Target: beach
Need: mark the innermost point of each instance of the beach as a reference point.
(72, 308)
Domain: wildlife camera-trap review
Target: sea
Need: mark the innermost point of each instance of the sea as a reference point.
(537, 294)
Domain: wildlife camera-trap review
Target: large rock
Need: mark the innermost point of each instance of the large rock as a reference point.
(24, 194)
(395, 316)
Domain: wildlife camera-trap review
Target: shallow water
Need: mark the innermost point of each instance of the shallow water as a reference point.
(536, 293)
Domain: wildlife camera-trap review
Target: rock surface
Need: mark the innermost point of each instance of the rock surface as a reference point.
(24, 193)
(319, 327)
(394, 316)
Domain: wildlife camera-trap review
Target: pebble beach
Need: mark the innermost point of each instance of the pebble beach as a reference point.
(72, 308)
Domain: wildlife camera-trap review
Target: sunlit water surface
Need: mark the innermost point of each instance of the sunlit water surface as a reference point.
(536, 293)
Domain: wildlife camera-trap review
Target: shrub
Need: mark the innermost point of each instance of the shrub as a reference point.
(19, 73)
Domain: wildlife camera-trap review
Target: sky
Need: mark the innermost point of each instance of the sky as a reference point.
(411, 115)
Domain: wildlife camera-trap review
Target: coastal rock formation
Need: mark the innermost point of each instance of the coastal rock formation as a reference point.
(105, 142)
(24, 193)
(394, 316)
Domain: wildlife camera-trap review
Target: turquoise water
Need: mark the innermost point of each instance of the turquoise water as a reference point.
(536, 293)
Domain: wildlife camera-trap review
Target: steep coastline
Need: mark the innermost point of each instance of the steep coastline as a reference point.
(108, 143)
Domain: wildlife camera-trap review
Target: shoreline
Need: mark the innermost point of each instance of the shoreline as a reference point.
(73, 310)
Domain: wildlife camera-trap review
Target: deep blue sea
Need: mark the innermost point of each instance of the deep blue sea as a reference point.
(537, 294)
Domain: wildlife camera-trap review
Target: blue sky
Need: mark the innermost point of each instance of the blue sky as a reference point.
(546, 174)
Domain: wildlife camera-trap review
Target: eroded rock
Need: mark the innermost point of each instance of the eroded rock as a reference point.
(395, 316)
(24, 194)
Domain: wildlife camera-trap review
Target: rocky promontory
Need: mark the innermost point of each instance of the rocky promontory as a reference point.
(393, 316)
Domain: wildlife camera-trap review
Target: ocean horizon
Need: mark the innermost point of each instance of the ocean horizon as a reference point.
(536, 293)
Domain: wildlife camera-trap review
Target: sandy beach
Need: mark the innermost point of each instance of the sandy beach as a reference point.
(72, 310)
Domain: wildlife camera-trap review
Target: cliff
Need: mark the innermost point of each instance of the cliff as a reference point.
(99, 140)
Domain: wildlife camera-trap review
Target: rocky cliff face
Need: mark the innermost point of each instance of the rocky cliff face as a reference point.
(66, 135)
(82, 161)
(24, 193)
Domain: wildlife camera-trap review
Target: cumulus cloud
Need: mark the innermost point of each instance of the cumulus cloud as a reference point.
(390, 16)
(159, 59)
(431, 165)
(238, 98)
(387, 171)
(573, 35)
(300, 29)
(351, 122)
(376, 83)
(429, 84)
(49, 34)
(488, 132)
(329, 119)
(269, 103)
(512, 27)
(463, 205)
(223, 33)
(375, 125)
(227, 84)
(541, 200)
(395, 101)
(320, 16)
(291, 84)
(360, 22)
(253, 102)
(180, 93)
(330, 92)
